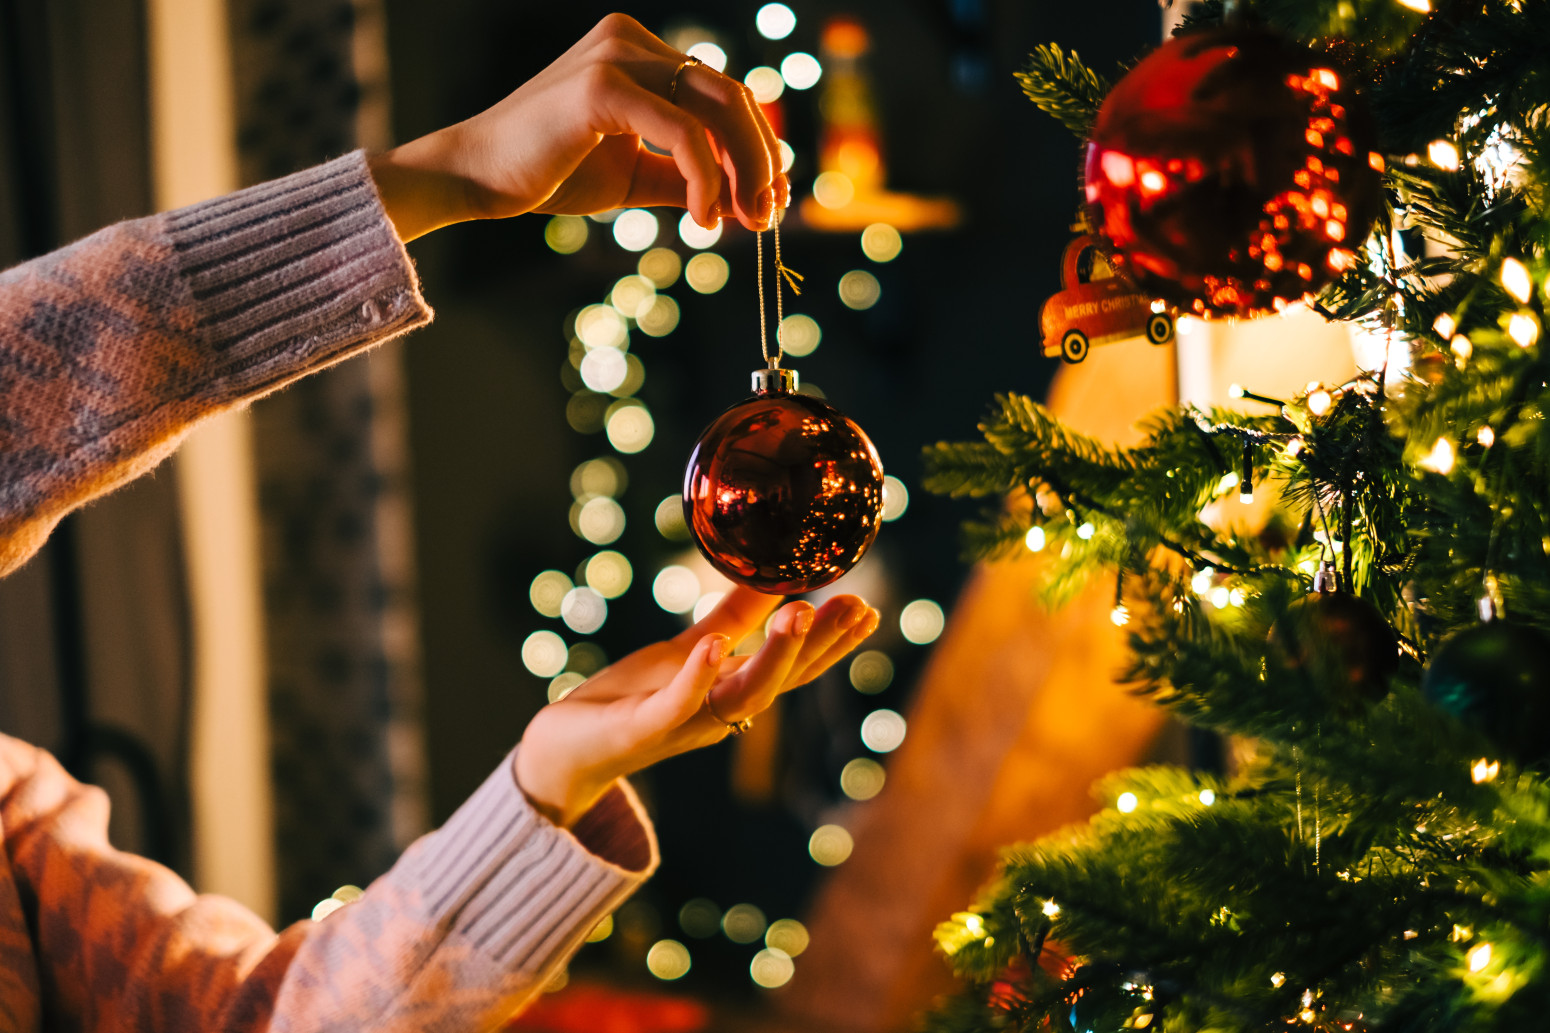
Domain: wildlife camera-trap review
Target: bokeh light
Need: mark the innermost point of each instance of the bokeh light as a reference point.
(660, 319)
(695, 235)
(882, 731)
(566, 234)
(584, 412)
(706, 272)
(871, 672)
(604, 369)
(706, 603)
(775, 21)
(700, 918)
(862, 778)
(896, 498)
(788, 936)
(743, 923)
(564, 684)
(660, 265)
(602, 930)
(584, 610)
(676, 589)
(609, 574)
(630, 428)
(670, 519)
(600, 520)
(710, 53)
(830, 845)
(543, 654)
(631, 294)
(833, 189)
(547, 592)
(586, 658)
(859, 289)
(800, 335)
(922, 621)
(601, 326)
(765, 84)
(801, 70)
(668, 960)
(771, 968)
(635, 229)
(788, 157)
(604, 476)
(634, 371)
(881, 242)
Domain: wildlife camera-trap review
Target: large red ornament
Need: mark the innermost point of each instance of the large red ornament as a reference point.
(783, 492)
(1233, 171)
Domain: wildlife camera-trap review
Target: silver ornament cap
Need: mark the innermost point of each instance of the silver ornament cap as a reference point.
(774, 381)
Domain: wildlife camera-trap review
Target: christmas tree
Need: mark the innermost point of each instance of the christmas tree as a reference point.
(1382, 859)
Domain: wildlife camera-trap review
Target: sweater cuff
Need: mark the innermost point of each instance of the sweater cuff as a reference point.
(519, 888)
(294, 274)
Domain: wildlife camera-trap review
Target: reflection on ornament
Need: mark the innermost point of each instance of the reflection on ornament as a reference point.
(1233, 172)
(783, 492)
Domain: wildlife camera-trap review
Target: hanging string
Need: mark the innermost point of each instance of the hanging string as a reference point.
(792, 279)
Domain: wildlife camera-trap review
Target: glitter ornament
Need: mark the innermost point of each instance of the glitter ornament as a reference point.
(1232, 172)
(783, 492)
(1337, 641)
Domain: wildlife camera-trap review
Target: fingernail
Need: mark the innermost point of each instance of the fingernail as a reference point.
(802, 623)
(872, 621)
(717, 650)
(783, 190)
(714, 216)
(853, 616)
(764, 207)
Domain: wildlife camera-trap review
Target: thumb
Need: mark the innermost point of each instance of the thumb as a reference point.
(680, 699)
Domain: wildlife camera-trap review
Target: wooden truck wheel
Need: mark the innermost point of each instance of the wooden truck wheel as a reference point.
(1073, 346)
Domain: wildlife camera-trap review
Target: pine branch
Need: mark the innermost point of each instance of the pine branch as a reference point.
(1063, 87)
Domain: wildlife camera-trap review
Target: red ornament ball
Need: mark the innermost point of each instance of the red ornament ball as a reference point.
(783, 492)
(1233, 172)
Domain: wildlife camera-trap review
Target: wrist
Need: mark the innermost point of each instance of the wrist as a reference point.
(420, 188)
(560, 796)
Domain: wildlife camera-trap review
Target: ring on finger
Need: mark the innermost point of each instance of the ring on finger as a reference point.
(672, 86)
(733, 727)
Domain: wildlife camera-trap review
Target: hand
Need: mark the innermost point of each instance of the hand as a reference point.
(570, 141)
(656, 702)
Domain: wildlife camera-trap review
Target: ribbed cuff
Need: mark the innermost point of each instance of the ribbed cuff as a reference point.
(520, 889)
(294, 274)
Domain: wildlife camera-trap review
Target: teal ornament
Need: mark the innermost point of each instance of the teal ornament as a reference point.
(1495, 677)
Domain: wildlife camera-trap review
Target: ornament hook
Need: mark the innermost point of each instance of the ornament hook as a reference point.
(782, 272)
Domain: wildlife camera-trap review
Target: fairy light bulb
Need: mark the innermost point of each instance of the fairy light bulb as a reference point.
(1516, 280)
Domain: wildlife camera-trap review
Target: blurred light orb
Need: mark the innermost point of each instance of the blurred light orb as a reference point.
(670, 520)
(634, 376)
(1035, 539)
(859, 289)
(563, 685)
(771, 968)
(709, 53)
(706, 603)
(881, 242)
(862, 778)
(801, 70)
(788, 936)
(882, 731)
(586, 659)
(601, 326)
(896, 498)
(830, 845)
(1126, 803)
(788, 157)
(543, 654)
(584, 610)
(668, 960)
(601, 520)
(324, 908)
(602, 930)
(833, 189)
(636, 228)
(743, 923)
(630, 429)
(676, 589)
(604, 369)
(922, 621)
(606, 217)
(799, 335)
(775, 21)
(632, 293)
(700, 918)
(547, 592)
(566, 234)
(584, 412)
(609, 574)
(871, 672)
(605, 476)
(660, 319)
(706, 272)
(695, 235)
(660, 265)
(765, 84)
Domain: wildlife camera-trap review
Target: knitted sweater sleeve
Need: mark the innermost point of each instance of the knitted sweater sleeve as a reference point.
(111, 349)
(470, 923)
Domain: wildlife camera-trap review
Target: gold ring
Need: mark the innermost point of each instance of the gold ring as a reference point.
(733, 727)
(672, 87)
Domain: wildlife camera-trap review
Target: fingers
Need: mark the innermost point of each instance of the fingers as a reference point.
(762, 678)
(819, 654)
(737, 616)
(679, 700)
(746, 144)
(630, 108)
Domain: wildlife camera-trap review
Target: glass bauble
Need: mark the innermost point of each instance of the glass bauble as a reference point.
(1495, 677)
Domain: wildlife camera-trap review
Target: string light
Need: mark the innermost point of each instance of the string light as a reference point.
(1034, 539)
(1086, 531)
(1523, 328)
(1445, 324)
(1319, 402)
(1479, 957)
(1126, 803)
(1462, 348)
(1207, 797)
(1050, 909)
(1484, 770)
(1486, 436)
(1516, 280)
(1120, 615)
(1440, 458)
(1246, 484)
(1444, 155)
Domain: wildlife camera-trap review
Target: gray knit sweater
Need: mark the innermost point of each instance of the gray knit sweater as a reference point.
(110, 350)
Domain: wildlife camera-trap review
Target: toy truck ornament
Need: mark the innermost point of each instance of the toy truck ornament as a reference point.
(1096, 306)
